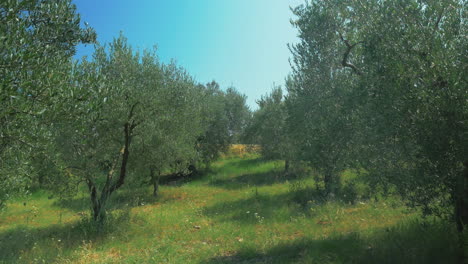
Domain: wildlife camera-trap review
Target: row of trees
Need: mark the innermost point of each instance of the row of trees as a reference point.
(378, 86)
(120, 116)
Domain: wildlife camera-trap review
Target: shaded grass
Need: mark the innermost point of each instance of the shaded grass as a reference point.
(248, 180)
(242, 211)
(411, 242)
(121, 199)
(46, 244)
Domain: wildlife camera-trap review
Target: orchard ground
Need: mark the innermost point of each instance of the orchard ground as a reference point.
(245, 210)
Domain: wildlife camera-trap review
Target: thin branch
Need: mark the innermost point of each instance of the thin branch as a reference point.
(128, 133)
(110, 174)
(345, 61)
(436, 26)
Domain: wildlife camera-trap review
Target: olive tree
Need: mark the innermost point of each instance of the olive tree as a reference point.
(398, 69)
(37, 40)
(216, 136)
(109, 103)
(225, 117)
(237, 112)
(269, 129)
(173, 130)
(319, 102)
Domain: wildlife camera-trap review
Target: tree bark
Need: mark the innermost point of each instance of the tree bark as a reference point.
(286, 165)
(345, 61)
(461, 206)
(155, 181)
(328, 183)
(461, 210)
(99, 211)
(99, 203)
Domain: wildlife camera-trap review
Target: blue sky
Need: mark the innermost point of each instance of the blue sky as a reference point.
(242, 43)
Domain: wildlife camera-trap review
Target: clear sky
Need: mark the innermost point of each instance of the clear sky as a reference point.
(242, 43)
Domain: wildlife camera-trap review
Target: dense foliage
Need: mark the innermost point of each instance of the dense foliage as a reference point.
(37, 40)
(121, 115)
(378, 87)
(269, 128)
(381, 86)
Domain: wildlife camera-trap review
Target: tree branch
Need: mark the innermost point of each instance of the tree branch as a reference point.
(436, 25)
(345, 61)
(110, 174)
(128, 133)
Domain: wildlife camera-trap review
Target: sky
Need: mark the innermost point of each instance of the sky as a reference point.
(240, 43)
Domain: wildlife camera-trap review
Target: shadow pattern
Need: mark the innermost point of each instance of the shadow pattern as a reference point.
(417, 242)
(51, 242)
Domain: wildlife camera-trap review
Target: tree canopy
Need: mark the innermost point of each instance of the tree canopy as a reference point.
(381, 85)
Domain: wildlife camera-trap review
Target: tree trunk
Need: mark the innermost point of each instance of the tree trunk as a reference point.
(155, 189)
(286, 165)
(461, 206)
(332, 183)
(155, 180)
(99, 203)
(99, 211)
(328, 183)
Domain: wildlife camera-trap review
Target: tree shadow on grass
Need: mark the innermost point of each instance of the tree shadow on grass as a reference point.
(414, 242)
(323, 251)
(46, 245)
(181, 179)
(247, 162)
(229, 166)
(233, 165)
(253, 179)
(279, 206)
(119, 199)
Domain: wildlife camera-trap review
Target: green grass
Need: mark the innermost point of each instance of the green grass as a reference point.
(244, 211)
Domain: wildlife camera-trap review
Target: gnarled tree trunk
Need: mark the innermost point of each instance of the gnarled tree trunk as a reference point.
(99, 202)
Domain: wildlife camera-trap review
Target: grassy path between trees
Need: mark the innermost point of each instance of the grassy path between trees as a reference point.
(244, 211)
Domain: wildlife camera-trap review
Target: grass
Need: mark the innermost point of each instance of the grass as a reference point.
(244, 211)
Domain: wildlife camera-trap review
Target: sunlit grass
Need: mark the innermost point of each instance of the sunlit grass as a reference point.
(243, 211)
